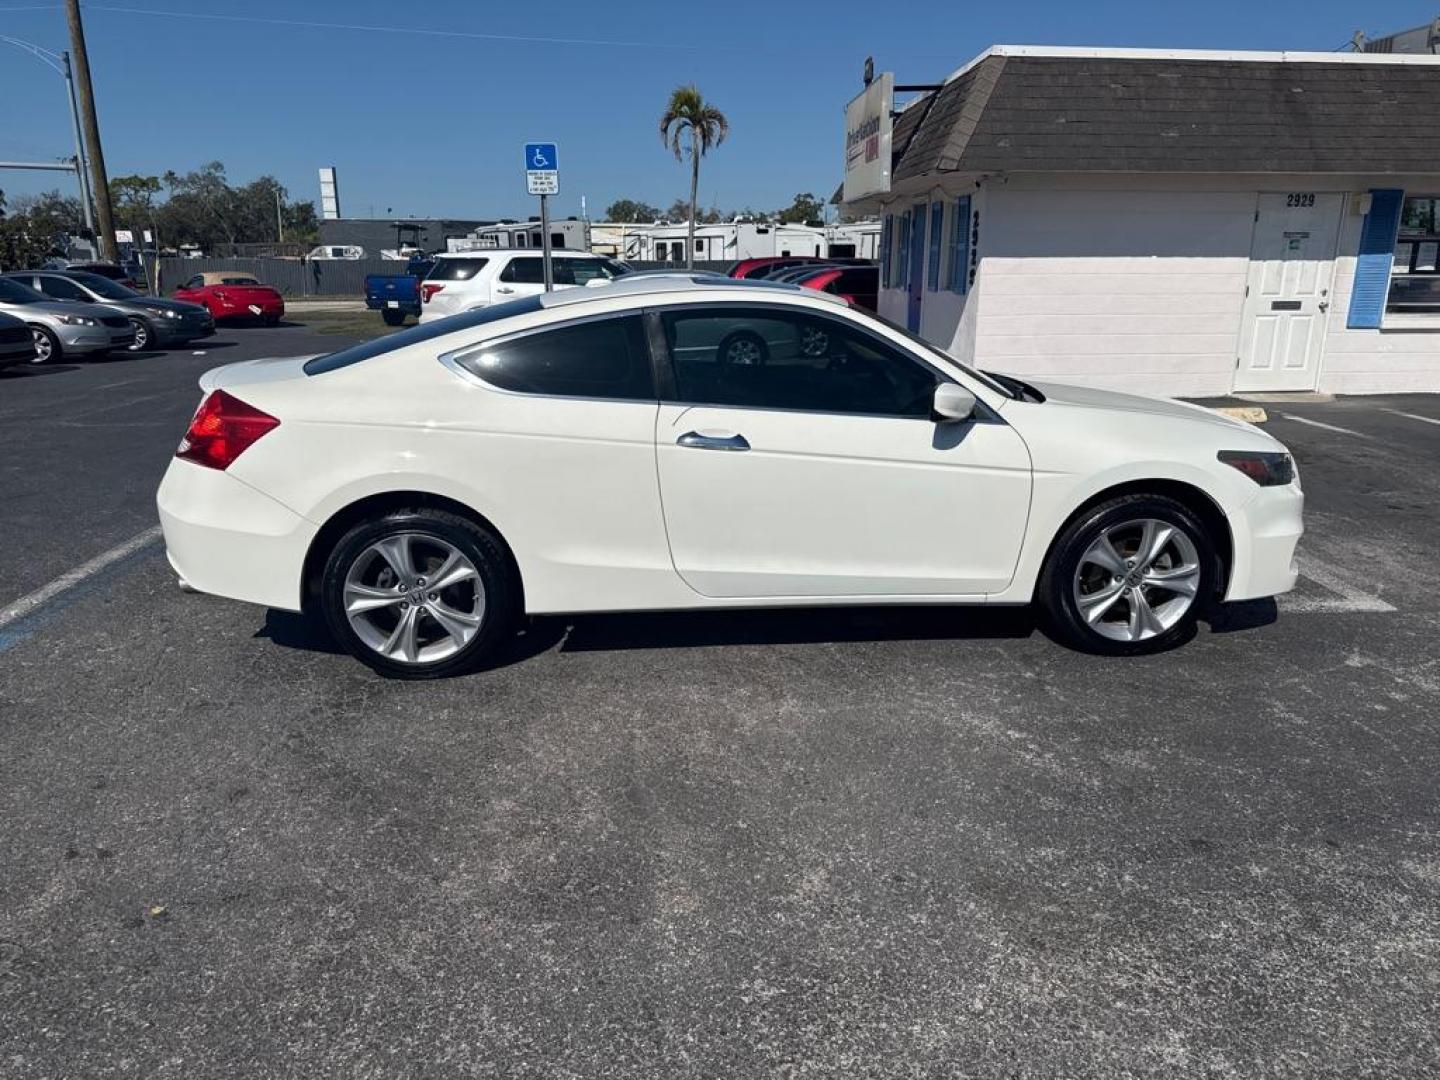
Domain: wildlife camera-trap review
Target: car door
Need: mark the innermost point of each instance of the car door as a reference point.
(523, 275)
(797, 457)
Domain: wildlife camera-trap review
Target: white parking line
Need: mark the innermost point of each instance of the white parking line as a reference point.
(32, 602)
(1413, 416)
(1349, 598)
(1327, 427)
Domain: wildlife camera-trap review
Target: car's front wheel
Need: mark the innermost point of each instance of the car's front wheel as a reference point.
(1129, 576)
(144, 336)
(47, 345)
(419, 594)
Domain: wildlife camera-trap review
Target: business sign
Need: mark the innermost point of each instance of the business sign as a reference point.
(329, 194)
(124, 236)
(542, 168)
(868, 126)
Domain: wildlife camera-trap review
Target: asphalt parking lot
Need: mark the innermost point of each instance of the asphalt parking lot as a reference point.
(857, 843)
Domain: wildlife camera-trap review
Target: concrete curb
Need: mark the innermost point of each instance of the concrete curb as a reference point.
(1250, 414)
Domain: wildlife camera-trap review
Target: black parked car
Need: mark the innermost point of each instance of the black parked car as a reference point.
(17, 345)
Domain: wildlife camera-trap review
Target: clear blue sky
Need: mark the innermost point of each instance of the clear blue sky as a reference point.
(428, 116)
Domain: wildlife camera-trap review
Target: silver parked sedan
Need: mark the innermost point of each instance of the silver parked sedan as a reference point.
(63, 327)
(158, 322)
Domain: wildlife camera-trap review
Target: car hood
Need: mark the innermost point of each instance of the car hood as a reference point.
(1087, 397)
(179, 306)
(60, 307)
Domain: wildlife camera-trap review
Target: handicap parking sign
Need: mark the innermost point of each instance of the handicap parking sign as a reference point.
(542, 169)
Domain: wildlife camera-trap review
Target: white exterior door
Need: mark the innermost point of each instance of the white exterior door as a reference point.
(1292, 264)
(800, 461)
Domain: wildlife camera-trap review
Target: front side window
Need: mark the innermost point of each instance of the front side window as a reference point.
(195, 282)
(526, 270)
(765, 358)
(62, 289)
(14, 292)
(600, 358)
(1415, 273)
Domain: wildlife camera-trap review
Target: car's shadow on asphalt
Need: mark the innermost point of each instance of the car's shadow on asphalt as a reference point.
(702, 629)
(27, 371)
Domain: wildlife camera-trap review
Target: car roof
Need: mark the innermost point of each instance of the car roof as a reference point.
(480, 253)
(680, 283)
(217, 277)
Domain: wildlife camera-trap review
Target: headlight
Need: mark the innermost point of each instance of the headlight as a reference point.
(79, 320)
(164, 313)
(1266, 469)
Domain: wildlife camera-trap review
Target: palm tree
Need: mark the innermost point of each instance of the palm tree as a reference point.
(688, 111)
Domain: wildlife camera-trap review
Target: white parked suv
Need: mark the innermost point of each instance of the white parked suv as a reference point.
(463, 280)
(610, 450)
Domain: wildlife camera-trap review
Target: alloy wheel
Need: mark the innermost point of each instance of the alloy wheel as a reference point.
(414, 598)
(142, 335)
(743, 351)
(1137, 579)
(43, 349)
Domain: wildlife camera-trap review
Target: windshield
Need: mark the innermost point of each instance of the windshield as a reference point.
(12, 292)
(103, 286)
(238, 281)
(925, 346)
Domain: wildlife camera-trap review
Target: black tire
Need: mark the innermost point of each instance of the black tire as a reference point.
(392, 317)
(47, 345)
(272, 320)
(1056, 592)
(744, 343)
(476, 543)
(144, 335)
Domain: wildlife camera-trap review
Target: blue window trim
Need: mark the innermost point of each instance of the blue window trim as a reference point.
(960, 247)
(902, 275)
(1371, 287)
(937, 244)
(887, 256)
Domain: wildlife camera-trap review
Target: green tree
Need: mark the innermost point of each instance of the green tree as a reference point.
(689, 113)
(132, 199)
(631, 212)
(806, 208)
(27, 242)
(680, 211)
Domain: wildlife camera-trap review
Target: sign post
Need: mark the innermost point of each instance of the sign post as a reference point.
(542, 177)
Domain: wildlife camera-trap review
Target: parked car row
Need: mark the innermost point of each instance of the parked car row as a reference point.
(857, 280)
(87, 312)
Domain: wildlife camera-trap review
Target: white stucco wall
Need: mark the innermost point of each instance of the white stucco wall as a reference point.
(1138, 283)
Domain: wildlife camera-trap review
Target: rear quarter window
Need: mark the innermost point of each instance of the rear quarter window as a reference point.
(455, 269)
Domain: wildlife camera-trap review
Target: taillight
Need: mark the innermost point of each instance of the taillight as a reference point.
(223, 428)
(427, 290)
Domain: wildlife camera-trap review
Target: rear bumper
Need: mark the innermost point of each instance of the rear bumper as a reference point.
(1265, 535)
(225, 537)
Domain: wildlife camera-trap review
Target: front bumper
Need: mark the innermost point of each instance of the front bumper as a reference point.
(178, 332)
(224, 537)
(1265, 534)
(90, 339)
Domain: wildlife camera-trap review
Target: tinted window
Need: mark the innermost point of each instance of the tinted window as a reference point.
(860, 281)
(455, 269)
(770, 359)
(103, 286)
(238, 279)
(605, 358)
(416, 334)
(572, 271)
(61, 289)
(194, 283)
(12, 292)
(525, 270)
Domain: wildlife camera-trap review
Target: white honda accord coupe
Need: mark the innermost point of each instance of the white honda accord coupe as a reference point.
(672, 442)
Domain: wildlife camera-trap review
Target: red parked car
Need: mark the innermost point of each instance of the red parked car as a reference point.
(230, 294)
(762, 267)
(858, 284)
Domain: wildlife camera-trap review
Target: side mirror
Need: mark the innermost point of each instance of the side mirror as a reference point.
(952, 403)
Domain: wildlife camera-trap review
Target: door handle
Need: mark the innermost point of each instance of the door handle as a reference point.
(1324, 305)
(504, 289)
(695, 441)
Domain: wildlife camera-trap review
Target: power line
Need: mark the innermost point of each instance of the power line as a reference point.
(309, 24)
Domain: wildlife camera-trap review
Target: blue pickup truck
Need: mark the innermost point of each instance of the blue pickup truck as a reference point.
(397, 295)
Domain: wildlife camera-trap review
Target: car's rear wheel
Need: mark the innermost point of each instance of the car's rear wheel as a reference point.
(419, 594)
(392, 317)
(1129, 576)
(47, 345)
(743, 348)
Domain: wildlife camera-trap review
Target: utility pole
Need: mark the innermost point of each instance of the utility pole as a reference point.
(99, 182)
(279, 218)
